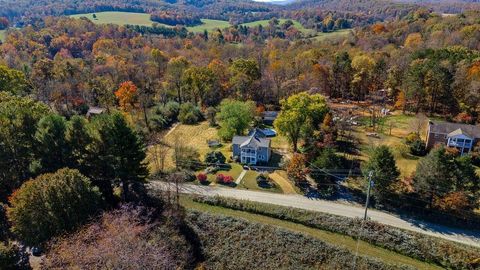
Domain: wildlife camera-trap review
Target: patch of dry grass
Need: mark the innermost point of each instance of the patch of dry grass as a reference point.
(195, 136)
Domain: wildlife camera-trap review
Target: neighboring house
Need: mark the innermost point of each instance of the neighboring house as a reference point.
(253, 150)
(268, 117)
(461, 136)
(95, 111)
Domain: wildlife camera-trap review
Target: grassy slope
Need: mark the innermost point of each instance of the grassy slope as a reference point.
(332, 35)
(363, 248)
(209, 25)
(120, 18)
(2, 35)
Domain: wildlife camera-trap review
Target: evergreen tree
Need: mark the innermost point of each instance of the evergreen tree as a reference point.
(118, 155)
(53, 149)
(79, 140)
(435, 175)
(385, 172)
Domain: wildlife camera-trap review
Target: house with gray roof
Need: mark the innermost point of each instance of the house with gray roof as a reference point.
(253, 149)
(461, 136)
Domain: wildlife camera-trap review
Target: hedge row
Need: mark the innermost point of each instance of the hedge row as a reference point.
(444, 253)
(231, 243)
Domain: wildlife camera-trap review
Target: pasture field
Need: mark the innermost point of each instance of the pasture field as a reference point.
(209, 25)
(2, 35)
(116, 17)
(332, 35)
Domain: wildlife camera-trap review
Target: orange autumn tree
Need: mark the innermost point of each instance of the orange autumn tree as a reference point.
(297, 169)
(127, 96)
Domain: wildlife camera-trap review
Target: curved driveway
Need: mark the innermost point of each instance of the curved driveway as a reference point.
(340, 209)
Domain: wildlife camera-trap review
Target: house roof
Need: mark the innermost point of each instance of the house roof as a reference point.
(95, 110)
(257, 133)
(459, 132)
(251, 141)
(452, 129)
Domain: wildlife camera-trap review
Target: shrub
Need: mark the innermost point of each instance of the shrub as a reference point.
(189, 114)
(202, 177)
(52, 204)
(444, 253)
(411, 137)
(220, 178)
(417, 148)
(215, 157)
(227, 179)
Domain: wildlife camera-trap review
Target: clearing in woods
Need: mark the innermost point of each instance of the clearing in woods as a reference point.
(117, 17)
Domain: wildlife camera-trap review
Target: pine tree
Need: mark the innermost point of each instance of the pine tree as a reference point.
(118, 155)
(385, 172)
(53, 149)
(435, 175)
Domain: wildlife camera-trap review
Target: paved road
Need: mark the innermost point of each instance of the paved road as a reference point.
(341, 209)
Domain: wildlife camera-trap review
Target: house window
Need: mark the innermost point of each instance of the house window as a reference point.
(261, 157)
(435, 135)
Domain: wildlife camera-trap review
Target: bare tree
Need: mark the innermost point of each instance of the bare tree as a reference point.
(419, 124)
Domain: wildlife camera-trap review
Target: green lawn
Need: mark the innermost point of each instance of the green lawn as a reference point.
(209, 25)
(264, 23)
(234, 172)
(391, 131)
(331, 35)
(2, 34)
(362, 247)
(249, 182)
(120, 18)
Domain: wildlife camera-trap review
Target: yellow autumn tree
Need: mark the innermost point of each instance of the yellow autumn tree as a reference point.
(413, 41)
(401, 102)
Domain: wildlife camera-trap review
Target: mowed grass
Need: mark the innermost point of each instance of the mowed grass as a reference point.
(194, 136)
(264, 23)
(332, 35)
(401, 126)
(119, 18)
(209, 25)
(363, 248)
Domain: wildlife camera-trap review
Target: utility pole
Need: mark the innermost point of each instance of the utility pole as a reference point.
(370, 184)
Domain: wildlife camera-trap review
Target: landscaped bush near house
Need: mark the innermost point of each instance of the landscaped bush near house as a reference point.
(202, 178)
(189, 114)
(224, 179)
(230, 243)
(426, 248)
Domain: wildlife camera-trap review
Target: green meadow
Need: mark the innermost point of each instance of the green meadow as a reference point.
(209, 25)
(116, 17)
(2, 34)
